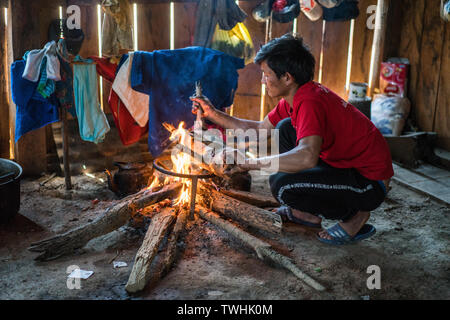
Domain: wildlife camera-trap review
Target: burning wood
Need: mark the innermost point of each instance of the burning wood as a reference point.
(251, 198)
(240, 211)
(113, 218)
(144, 257)
(169, 198)
(262, 249)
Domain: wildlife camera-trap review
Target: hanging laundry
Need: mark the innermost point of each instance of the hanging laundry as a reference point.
(129, 130)
(135, 102)
(226, 13)
(64, 88)
(285, 11)
(46, 87)
(105, 68)
(32, 110)
(311, 9)
(35, 59)
(169, 77)
(73, 37)
(346, 10)
(91, 119)
(117, 29)
(329, 3)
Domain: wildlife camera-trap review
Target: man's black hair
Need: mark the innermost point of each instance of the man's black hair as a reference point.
(288, 53)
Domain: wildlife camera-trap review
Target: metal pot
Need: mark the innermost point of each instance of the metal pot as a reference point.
(10, 174)
(130, 178)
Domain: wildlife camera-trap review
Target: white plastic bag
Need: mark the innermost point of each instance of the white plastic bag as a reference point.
(389, 113)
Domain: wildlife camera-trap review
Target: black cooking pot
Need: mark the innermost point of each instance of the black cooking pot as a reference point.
(10, 173)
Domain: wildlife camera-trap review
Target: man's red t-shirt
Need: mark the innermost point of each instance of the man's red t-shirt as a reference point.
(350, 140)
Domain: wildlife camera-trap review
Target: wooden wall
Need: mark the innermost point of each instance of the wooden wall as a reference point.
(424, 38)
(415, 31)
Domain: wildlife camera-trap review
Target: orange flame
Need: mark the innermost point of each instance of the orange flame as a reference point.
(181, 161)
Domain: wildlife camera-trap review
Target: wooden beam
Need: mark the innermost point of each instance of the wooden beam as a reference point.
(4, 101)
(378, 43)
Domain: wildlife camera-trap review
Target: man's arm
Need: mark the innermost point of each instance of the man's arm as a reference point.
(226, 121)
(304, 156)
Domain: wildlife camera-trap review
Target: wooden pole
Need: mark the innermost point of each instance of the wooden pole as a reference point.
(378, 42)
(4, 103)
(262, 248)
(65, 142)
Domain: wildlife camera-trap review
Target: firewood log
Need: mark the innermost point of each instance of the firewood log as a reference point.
(140, 274)
(113, 218)
(238, 210)
(251, 198)
(171, 250)
(262, 248)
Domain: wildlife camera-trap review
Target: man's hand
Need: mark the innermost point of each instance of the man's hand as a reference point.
(205, 104)
(220, 166)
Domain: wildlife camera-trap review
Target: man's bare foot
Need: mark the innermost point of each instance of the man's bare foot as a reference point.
(352, 226)
(305, 216)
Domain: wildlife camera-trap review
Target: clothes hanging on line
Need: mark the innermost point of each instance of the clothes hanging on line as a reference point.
(129, 130)
(135, 102)
(169, 77)
(32, 110)
(226, 13)
(64, 88)
(344, 11)
(35, 59)
(46, 86)
(91, 119)
(117, 29)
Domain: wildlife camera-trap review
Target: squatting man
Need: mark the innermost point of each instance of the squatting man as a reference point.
(333, 163)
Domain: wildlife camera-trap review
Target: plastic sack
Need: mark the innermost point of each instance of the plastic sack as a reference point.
(235, 42)
(394, 76)
(445, 10)
(389, 113)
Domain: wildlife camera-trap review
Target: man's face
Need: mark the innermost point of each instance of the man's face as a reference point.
(275, 87)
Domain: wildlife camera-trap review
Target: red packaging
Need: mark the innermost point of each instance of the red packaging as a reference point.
(394, 76)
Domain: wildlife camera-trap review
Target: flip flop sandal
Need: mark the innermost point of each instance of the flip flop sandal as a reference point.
(286, 214)
(341, 237)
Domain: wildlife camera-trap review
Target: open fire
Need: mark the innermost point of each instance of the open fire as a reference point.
(174, 192)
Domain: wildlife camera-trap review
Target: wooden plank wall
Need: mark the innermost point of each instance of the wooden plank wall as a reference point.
(424, 40)
(415, 31)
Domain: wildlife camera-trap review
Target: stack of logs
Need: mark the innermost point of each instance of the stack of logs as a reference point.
(242, 207)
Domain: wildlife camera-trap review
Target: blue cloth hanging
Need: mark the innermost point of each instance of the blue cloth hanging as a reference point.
(91, 118)
(169, 77)
(32, 110)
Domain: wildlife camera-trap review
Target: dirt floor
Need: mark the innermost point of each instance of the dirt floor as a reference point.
(411, 247)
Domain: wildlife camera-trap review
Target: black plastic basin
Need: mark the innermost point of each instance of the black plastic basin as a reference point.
(10, 173)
